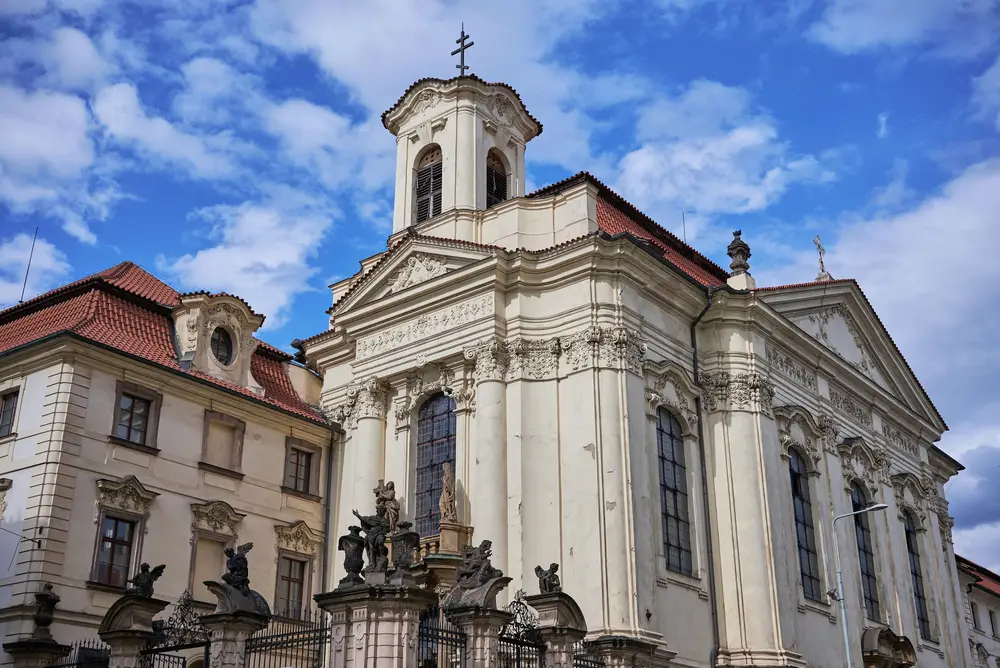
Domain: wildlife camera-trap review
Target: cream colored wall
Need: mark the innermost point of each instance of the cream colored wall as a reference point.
(984, 634)
(75, 400)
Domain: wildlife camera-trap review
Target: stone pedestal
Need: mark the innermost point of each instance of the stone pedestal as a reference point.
(229, 632)
(375, 626)
(441, 555)
(561, 625)
(626, 652)
(34, 652)
(453, 538)
(481, 627)
(127, 627)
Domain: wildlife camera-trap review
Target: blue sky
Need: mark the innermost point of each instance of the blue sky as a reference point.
(237, 146)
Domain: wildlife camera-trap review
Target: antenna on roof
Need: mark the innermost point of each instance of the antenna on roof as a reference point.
(28, 268)
(684, 227)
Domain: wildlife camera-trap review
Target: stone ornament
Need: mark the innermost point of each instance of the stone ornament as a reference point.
(418, 268)
(672, 390)
(787, 366)
(604, 347)
(238, 567)
(821, 319)
(127, 494)
(45, 605)
(863, 462)
(752, 392)
(739, 251)
(425, 100)
(298, 538)
(912, 495)
(797, 429)
(405, 543)
(478, 582)
(900, 439)
(533, 359)
(548, 581)
(385, 499)
(417, 388)
(234, 593)
(142, 583)
(353, 546)
(492, 359)
(5, 485)
(376, 528)
(446, 502)
(366, 399)
(829, 432)
(217, 517)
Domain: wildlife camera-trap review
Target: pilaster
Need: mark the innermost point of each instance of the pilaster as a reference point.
(230, 632)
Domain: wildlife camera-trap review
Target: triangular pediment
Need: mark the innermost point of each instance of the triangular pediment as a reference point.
(414, 264)
(839, 317)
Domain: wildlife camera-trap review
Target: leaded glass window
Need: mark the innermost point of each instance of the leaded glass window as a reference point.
(866, 553)
(916, 575)
(435, 446)
(673, 493)
(804, 528)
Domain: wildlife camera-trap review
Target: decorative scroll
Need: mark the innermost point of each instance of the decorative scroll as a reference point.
(863, 462)
(298, 538)
(127, 494)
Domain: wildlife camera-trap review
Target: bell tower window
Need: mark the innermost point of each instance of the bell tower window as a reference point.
(428, 185)
(496, 179)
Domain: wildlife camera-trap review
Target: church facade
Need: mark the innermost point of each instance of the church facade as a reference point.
(676, 438)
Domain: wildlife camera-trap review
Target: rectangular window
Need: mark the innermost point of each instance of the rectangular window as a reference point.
(209, 564)
(291, 587)
(975, 615)
(8, 404)
(114, 552)
(298, 470)
(133, 418)
(993, 623)
(673, 494)
(222, 447)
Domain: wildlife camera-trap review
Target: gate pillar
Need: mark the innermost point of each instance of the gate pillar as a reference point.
(127, 627)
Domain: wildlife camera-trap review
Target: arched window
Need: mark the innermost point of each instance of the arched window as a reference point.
(919, 598)
(435, 446)
(496, 179)
(427, 185)
(673, 493)
(866, 553)
(804, 531)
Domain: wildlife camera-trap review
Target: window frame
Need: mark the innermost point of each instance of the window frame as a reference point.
(433, 513)
(974, 611)
(420, 168)
(663, 488)
(5, 395)
(920, 600)
(869, 581)
(196, 535)
(308, 562)
(293, 444)
(230, 340)
(239, 431)
(155, 399)
(135, 557)
(495, 159)
(801, 493)
(993, 621)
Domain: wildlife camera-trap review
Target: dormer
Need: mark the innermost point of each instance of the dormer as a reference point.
(214, 335)
(459, 145)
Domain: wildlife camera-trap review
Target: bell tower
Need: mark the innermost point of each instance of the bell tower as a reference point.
(459, 145)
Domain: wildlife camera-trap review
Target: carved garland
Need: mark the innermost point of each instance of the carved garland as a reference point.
(217, 517)
(847, 404)
(740, 392)
(787, 366)
(126, 494)
(298, 538)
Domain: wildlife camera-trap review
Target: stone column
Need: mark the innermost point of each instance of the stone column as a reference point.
(229, 632)
(127, 627)
(375, 626)
(488, 454)
(368, 400)
(481, 627)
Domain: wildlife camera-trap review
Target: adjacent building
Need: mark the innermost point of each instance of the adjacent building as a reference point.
(143, 425)
(981, 589)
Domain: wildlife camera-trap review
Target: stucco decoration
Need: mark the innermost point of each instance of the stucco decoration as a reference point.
(882, 648)
(198, 316)
(5, 485)
(899, 438)
(850, 406)
(912, 495)
(837, 324)
(830, 432)
(418, 268)
(425, 326)
(863, 462)
(533, 359)
(503, 109)
(426, 100)
(786, 365)
(667, 385)
(604, 347)
(217, 517)
(751, 392)
(298, 538)
(429, 379)
(126, 494)
(492, 359)
(366, 399)
(797, 429)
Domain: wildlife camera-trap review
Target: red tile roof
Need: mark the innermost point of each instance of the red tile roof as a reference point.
(128, 310)
(987, 580)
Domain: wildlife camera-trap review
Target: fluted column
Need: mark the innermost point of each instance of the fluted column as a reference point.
(488, 496)
(368, 410)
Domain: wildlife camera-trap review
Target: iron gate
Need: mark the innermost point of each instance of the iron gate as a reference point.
(520, 645)
(180, 638)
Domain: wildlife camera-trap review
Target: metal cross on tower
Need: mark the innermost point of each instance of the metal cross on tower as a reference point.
(460, 51)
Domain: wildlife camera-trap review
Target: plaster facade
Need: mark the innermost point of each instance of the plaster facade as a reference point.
(563, 345)
(981, 608)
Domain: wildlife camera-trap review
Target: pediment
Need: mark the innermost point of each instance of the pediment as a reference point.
(413, 264)
(839, 317)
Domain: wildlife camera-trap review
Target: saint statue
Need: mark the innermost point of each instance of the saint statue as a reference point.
(375, 527)
(238, 575)
(385, 498)
(446, 503)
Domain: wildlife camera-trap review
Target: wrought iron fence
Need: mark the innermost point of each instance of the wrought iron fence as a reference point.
(520, 645)
(179, 639)
(583, 657)
(288, 642)
(441, 643)
(89, 653)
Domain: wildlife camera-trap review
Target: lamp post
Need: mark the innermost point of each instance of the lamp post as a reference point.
(840, 579)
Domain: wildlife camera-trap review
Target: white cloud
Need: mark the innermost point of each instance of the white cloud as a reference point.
(118, 108)
(48, 268)
(947, 27)
(986, 93)
(262, 251)
(882, 130)
(71, 61)
(980, 544)
(707, 150)
(213, 92)
(896, 192)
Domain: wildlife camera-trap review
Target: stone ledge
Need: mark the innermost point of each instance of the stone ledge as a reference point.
(138, 447)
(218, 470)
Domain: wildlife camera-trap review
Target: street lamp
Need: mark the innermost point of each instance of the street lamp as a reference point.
(840, 580)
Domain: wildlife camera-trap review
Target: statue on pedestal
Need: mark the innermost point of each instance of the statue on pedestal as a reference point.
(142, 583)
(446, 503)
(385, 498)
(238, 576)
(478, 581)
(375, 527)
(548, 581)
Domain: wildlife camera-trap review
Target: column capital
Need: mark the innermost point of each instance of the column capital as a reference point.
(492, 358)
(750, 391)
(365, 399)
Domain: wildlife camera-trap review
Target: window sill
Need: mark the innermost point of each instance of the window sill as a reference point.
(100, 586)
(691, 582)
(6, 438)
(291, 491)
(218, 470)
(138, 447)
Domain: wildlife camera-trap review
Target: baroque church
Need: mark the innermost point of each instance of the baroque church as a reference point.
(678, 439)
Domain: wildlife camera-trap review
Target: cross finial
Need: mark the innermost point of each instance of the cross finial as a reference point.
(460, 51)
(823, 276)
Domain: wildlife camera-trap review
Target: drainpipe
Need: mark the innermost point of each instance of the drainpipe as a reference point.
(337, 437)
(713, 603)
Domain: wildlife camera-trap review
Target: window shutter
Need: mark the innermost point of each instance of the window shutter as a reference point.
(496, 187)
(428, 187)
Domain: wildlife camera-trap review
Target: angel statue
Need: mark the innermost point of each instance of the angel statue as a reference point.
(548, 581)
(142, 583)
(385, 497)
(238, 576)
(375, 527)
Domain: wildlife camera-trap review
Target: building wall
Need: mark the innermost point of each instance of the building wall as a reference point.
(64, 446)
(982, 637)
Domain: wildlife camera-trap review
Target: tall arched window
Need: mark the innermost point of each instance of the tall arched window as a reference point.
(804, 531)
(866, 553)
(435, 446)
(496, 179)
(427, 185)
(673, 493)
(919, 598)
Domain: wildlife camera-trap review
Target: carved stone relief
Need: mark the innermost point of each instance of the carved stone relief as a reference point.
(797, 429)
(750, 391)
(897, 437)
(912, 494)
(5, 485)
(614, 347)
(863, 462)
(787, 366)
(492, 359)
(503, 109)
(829, 433)
(417, 388)
(534, 359)
(366, 399)
(418, 268)
(426, 100)
(298, 538)
(217, 517)
(127, 494)
(669, 389)
(851, 407)
(821, 319)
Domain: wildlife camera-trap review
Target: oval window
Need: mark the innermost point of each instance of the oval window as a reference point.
(222, 346)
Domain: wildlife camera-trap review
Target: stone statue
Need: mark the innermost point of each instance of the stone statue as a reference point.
(238, 576)
(548, 581)
(375, 527)
(142, 583)
(446, 503)
(385, 497)
(45, 607)
(478, 582)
